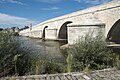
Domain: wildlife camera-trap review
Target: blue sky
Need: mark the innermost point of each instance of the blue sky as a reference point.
(19, 13)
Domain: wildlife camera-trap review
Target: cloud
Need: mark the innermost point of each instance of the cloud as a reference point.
(49, 1)
(93, 1)
(96, 1)
(14, 20)
(50, 8)
(12, 1)
(78, 1)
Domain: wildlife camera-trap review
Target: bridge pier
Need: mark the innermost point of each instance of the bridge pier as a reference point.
(79, 30)
(51, 34)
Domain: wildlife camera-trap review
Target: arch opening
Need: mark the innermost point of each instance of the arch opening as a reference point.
(43, 34)
(63, 35)
(114, 33)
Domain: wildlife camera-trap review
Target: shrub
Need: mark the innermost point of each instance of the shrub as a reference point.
(54, 67)
(91, 53)
(69, 61)
(10, 62)
(38, 64)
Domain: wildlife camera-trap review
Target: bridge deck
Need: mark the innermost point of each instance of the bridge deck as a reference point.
(108, 74)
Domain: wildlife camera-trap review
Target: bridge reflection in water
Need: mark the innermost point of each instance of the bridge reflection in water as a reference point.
(38, 47)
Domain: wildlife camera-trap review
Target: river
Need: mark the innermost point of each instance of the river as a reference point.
(38, 47)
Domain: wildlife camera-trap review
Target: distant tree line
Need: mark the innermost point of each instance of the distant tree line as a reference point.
(26, 27)
(13, 29)
(1, 29)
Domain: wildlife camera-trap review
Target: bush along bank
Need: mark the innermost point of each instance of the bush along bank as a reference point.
(91, 53)
(13, 58)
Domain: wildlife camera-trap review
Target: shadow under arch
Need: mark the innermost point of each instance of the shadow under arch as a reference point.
(43, 34)
(114, 33)
(63, 31)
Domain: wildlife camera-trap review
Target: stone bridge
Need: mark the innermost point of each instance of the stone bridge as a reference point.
(70, 27)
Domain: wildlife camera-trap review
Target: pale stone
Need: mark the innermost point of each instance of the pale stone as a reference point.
(107, 13)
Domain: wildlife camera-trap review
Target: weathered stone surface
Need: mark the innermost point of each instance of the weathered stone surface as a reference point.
(108, 74)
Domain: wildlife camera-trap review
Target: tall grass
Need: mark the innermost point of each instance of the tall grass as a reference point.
(16, 61)
(13, 58)
(69, 61)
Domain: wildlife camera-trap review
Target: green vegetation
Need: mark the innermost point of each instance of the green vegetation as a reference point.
(54, 67)
(91, 54)
(86, 54)
(45, 65)
(13, 58)
(69, 61)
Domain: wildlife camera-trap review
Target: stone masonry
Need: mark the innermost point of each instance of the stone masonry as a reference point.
(106, 74)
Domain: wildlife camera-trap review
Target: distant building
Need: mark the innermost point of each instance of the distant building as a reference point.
(16, 29)
(11, 30)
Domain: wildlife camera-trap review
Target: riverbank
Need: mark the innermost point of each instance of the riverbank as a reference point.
(86, 55)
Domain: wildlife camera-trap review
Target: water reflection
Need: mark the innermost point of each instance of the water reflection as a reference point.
(38, 47)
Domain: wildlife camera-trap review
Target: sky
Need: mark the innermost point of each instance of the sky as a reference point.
(20, 13)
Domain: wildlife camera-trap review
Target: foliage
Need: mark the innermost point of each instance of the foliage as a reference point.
(118, 62)
(91, 53)
(88, 53)
(10, 62)
(54, 67)
(69, 61)
(38, 65)
(46, 65)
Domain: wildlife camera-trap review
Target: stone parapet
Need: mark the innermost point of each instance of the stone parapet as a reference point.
(106, 74)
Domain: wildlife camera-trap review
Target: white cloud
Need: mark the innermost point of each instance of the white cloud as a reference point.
(50, 8)
(92, 1)
(14, 20)
(49, 1)
(78, 1)
(12, 1)
(96, 1)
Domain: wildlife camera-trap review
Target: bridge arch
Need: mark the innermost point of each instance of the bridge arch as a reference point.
(43, 32)
(114, 33)
(62, 32)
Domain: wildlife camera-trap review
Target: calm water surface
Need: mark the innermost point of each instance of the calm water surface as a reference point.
(38, 47)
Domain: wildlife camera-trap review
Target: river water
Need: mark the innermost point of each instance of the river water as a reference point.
(38, 47)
